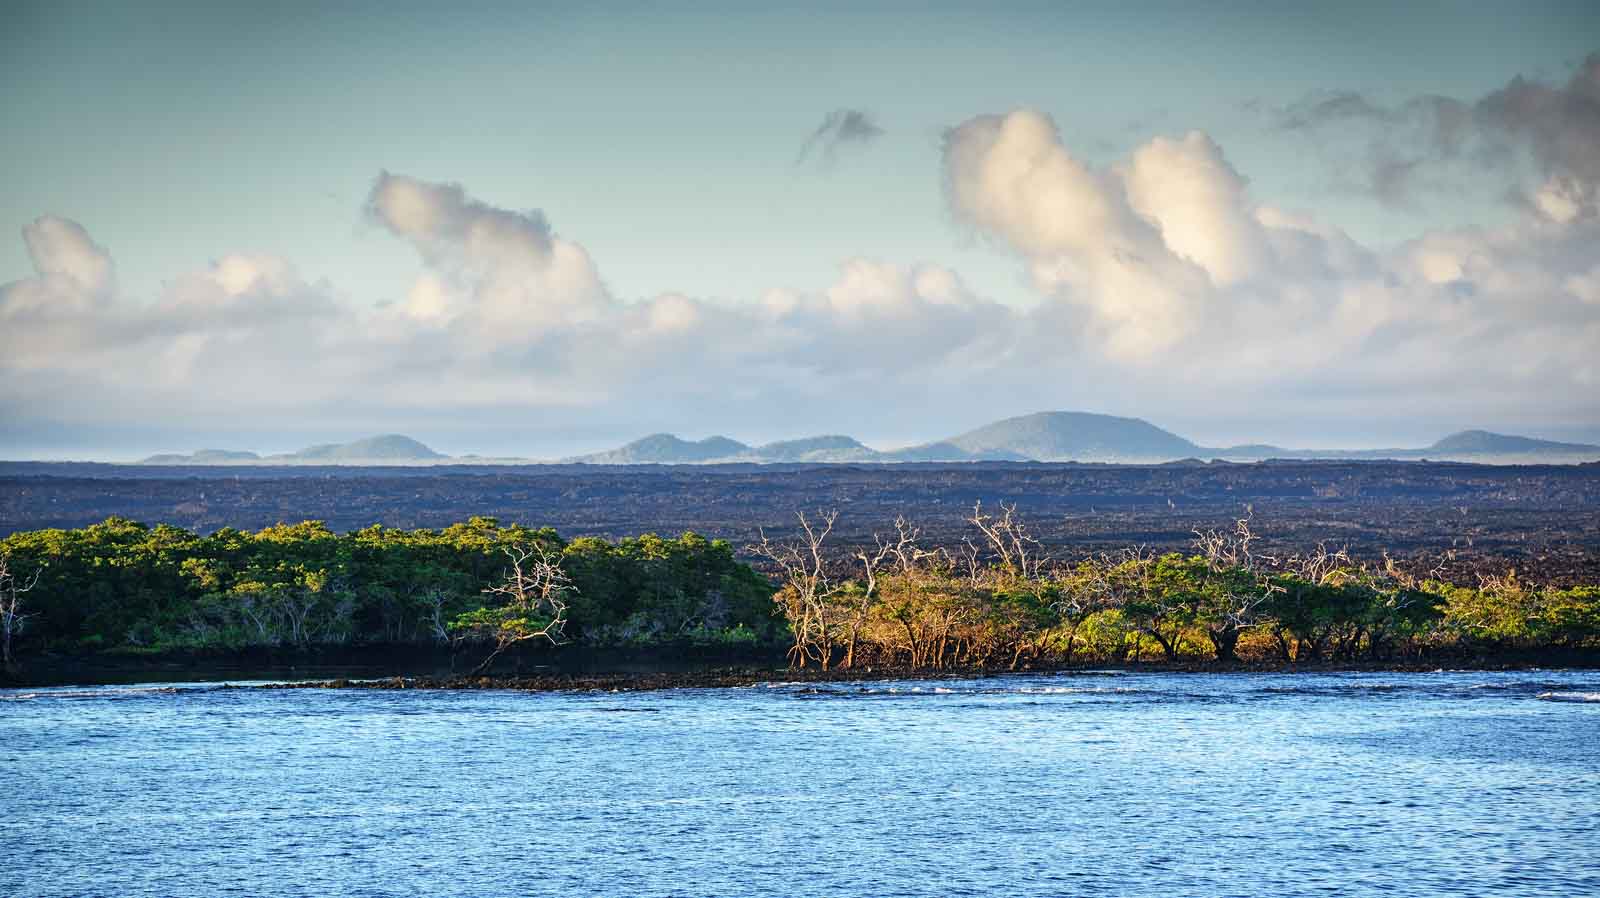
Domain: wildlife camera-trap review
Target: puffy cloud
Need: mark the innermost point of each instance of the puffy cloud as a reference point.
(62, 248)
(442, 222)
(503, 271)
(1184, 280)
(881, 318)
(1145, 247)
(1011, 176)
(503, 313)
(839, 129)
(1198, 200)
(71, 272)
(1165, 287)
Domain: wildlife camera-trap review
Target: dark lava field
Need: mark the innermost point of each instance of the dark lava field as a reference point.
(1544, 521)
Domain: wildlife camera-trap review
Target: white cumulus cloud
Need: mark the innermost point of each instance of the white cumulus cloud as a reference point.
(1165, 289)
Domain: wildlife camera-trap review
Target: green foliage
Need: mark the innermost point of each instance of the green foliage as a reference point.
(650, 590)
(120, 586)
(1219, 606)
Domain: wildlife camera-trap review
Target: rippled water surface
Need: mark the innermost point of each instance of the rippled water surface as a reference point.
(1110, 784)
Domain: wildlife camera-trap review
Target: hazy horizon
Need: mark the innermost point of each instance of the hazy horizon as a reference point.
(278, 445)
(542, 231)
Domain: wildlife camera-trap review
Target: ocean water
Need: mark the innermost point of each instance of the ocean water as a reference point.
(1416, 784)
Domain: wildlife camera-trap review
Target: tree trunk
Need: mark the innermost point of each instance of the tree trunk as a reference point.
(1224, 642)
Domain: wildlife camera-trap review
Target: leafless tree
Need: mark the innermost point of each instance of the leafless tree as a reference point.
(434, 600)
(1009, 539)
(1243, 587)
(807, 588)
(1231, 549)
(12, 619)
(898, 555)
(904, 548)
(534, 595)
(972, 562)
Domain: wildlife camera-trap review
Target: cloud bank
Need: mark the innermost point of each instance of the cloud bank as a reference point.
(1164, 288)
(1177, 273)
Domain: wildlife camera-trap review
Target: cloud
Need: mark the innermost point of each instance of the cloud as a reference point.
(71, 272)
(839, 129)
(503, 273)
(1178, 277)
(503, 314)
(1165, 288)
(1540, 140)
(443, 223)
(1086, 242)
(1561, 124)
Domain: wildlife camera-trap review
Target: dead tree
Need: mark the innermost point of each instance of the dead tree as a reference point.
(534, 602)
(1225, 549)
(1240, 587)
(1300, 632)
(807, 591)
(1009, 539)
(12, 619)
(862, 601)
(900, 555)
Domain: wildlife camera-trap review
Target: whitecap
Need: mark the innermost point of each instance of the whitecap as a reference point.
(100, 692)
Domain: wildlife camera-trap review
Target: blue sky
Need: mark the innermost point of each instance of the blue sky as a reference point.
(664, 142)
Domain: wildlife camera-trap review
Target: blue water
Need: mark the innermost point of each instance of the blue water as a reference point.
(1112, 784)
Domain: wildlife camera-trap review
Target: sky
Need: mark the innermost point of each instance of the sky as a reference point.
(535, 231)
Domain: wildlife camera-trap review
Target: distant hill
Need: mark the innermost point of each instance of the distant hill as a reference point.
(944, 450)
(1076, 436)
(830, 448)
(1044, 436)
(666, 449)
(1468, 445)
(1047, 436)
(390, 448)
(203, 457)
(1482, 442)
(1070, 436)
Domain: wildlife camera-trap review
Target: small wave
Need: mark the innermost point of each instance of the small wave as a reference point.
(108, 692)
(1581, 697)
(914, 692)
(1343, 690)
(1070, 690)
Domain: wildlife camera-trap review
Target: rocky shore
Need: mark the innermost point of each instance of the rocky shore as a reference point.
(729, 677)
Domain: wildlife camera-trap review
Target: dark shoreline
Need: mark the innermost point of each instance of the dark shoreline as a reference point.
(740, 677)
(641, 675)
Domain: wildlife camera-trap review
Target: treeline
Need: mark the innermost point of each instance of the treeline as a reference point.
(997, 601)
(127, 586)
